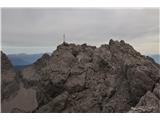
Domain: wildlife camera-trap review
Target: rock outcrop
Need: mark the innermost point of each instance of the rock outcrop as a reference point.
(14, 97)
(9, 84)
(150, 102)
(82, 78)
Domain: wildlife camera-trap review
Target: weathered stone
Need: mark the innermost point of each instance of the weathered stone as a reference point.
(75, 83)
(56, 105)
(148, 103)
(82, 78)
(156, 90)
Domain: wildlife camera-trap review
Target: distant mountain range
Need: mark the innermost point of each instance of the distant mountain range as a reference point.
(23, 59)
(156, 57)
(20, 67)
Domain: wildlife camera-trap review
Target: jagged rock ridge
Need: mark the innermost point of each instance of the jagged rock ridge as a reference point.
(82, 78)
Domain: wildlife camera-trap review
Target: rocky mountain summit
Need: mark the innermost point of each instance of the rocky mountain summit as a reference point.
(82, 78)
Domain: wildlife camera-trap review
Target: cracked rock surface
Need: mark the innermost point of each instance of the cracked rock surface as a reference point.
(82, 78)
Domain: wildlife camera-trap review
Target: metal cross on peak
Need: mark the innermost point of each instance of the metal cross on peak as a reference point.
(64, 37)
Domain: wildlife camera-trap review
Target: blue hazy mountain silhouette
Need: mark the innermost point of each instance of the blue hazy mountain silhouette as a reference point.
(156, 58)
(27, 59)
(23, 59)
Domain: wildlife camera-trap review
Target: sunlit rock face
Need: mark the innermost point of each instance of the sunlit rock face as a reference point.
(81, 78)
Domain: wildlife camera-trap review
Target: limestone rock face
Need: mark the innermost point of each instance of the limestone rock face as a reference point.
(9, 83)
(150, 102)
(55, 105)
(15, 97)
(82, 78)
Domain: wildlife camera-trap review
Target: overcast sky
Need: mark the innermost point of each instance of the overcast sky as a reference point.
(39, 30)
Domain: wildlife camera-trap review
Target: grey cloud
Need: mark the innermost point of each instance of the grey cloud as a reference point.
(39, 27)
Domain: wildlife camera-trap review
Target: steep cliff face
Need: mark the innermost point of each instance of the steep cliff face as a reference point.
(14, 97)
(82, 78)
(9, 83)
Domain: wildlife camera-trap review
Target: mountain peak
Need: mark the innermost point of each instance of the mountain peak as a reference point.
(111, 78)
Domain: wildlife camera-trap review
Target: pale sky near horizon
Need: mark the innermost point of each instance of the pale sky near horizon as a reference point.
(39, 30)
